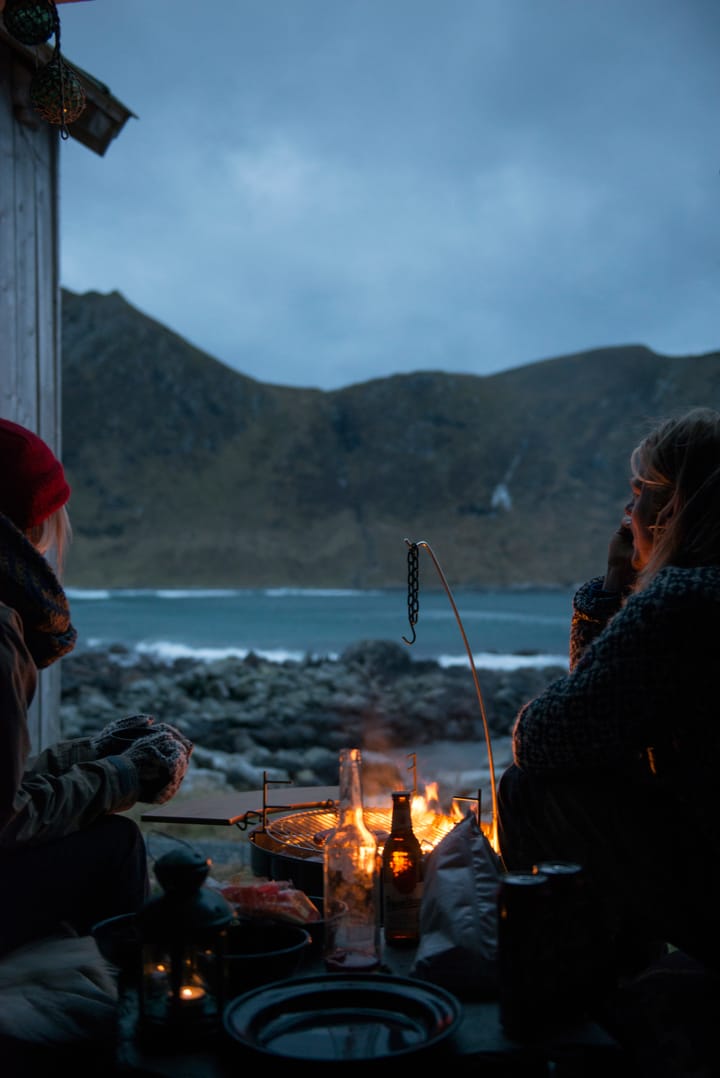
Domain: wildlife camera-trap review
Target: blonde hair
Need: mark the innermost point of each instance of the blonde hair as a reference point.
(680, 458)
(53, 534)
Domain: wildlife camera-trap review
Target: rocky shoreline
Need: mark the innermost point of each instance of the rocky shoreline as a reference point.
(248, 717)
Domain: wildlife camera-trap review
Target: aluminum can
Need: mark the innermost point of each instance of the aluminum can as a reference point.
(579, 957)
(524, 952)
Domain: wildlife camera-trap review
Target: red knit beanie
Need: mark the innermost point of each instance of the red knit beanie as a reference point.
(32, 480)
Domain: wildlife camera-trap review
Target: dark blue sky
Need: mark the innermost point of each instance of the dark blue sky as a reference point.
(321, 192)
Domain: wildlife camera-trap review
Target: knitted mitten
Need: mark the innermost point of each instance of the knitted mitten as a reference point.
(161, 761)
(114, 738)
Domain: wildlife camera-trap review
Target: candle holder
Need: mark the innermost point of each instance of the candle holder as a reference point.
(183, 941)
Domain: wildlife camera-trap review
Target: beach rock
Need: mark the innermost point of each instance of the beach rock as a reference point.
(248, 716)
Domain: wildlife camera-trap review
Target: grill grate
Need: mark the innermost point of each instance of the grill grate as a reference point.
(306, 831)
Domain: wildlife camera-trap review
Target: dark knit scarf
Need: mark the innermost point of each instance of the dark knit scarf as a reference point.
(29, 585)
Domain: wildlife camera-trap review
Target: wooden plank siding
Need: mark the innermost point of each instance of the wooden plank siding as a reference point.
(30, 297)
(30, 305)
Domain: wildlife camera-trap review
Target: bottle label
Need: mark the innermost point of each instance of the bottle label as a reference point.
(401, 913)
(402, 871)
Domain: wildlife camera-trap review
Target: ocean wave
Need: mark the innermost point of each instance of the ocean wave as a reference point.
(168, 651)
(87, 593)
(488, 660)
(159, 593)
(221, 593)
(320, 593)
(196, 593)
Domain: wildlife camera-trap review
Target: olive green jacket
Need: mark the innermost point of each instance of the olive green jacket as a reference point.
(63, 788)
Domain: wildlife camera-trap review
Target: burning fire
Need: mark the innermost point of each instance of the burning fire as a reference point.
(430, 823)
(309, 829)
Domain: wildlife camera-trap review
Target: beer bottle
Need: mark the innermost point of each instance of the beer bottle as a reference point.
(402, 875)
(350, 880)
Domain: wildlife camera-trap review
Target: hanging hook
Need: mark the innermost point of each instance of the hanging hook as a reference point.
(413, 589)
(413, 605)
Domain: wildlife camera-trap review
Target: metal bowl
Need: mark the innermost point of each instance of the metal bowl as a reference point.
(119, 941)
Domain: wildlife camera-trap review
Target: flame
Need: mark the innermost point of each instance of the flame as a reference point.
(431, 823)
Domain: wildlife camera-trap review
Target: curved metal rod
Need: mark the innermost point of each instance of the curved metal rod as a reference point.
(411, 642)
(494, 842)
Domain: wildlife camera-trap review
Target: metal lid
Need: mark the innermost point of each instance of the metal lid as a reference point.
(523, 879)
(182, 869)
(559, 868)
(186, 907)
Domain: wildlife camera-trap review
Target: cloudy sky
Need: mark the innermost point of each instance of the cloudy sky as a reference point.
(322, 192)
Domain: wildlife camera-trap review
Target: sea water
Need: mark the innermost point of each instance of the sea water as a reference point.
(503, 629)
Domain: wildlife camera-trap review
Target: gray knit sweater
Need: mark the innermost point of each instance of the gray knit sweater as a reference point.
(643, 674)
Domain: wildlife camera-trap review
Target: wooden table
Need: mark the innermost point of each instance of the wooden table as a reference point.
(241, 809)
(582, 1050)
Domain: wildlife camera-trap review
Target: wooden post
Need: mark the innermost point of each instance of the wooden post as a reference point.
(30, 371)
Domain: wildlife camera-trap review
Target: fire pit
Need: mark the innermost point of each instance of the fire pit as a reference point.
(290, 847)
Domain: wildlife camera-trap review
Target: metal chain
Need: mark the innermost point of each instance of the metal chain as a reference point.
(413, 600)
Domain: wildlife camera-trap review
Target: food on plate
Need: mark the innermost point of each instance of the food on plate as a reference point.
(270, 898)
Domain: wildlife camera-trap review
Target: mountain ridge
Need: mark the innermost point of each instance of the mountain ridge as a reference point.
(186, 472)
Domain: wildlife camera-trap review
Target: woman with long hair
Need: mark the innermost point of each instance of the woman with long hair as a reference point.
(615, 764)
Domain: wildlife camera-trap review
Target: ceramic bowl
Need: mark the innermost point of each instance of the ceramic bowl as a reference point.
(260, 951)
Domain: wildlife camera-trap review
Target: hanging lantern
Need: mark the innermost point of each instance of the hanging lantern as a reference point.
(32, 22)
(183, 941)
(56, 92)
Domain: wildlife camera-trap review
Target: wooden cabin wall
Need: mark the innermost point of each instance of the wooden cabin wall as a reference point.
(30, 367)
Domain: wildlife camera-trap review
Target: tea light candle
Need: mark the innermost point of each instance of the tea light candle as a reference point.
(191, 994)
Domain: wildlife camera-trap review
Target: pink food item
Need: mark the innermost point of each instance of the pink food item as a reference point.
(271, 898)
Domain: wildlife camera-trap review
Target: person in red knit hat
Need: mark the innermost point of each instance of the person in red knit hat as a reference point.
(67, 858)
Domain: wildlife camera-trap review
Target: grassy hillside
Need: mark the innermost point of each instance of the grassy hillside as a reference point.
(187, 472)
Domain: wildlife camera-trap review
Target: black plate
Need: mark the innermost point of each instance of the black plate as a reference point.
(337, 1017)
